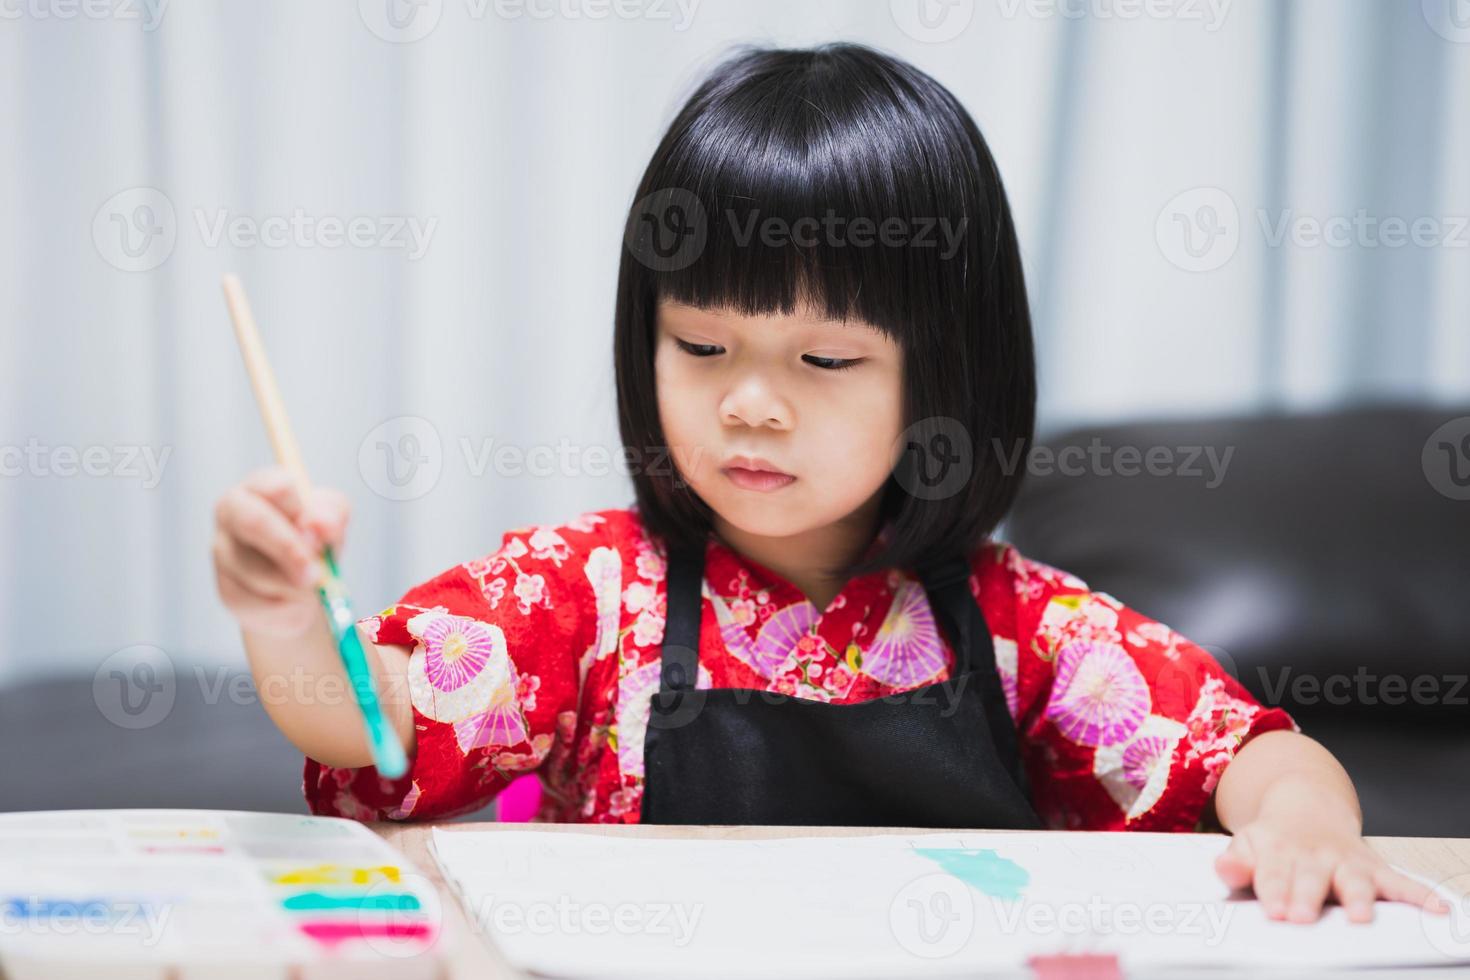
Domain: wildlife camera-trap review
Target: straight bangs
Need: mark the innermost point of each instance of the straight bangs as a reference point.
(793, 187)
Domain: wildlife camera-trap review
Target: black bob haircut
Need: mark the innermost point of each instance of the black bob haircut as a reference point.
(842, 130)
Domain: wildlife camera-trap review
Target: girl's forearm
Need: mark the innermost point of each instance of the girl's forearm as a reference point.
(1283, 771)
(304, 688)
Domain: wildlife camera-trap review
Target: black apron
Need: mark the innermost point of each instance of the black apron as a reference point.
(943, 755)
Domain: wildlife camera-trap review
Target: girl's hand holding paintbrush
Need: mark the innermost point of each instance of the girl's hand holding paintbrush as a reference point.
(267, 562)
(267, 551)
(338, 697)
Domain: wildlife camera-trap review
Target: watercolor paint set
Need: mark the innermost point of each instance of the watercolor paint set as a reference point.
(178, 893)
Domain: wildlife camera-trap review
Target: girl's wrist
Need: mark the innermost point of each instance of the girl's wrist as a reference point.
(1310, 799)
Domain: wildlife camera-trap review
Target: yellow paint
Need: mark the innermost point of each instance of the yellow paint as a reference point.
(332, 874)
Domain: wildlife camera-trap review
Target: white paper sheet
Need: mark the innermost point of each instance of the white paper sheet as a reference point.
(934, 904)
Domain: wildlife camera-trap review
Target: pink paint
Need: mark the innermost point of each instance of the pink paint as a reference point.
(519, 801)
(331, 932)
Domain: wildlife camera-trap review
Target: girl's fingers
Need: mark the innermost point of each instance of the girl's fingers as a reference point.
(1273, 882)
(245, 515)
(1311, 880)
(253, 570)
(325, 516)
(1236, 863)
(260, 614)
(275, 484)
(1398, 887)
(1352, 882)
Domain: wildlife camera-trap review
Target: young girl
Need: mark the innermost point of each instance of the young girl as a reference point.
(825, 379)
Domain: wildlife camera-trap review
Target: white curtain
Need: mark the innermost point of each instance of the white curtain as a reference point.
(509, 138)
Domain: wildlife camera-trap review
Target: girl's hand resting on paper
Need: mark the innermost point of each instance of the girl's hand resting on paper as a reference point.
(1304, 845)
(267, 550)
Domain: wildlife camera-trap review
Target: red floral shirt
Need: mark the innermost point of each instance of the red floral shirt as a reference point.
(542, 657)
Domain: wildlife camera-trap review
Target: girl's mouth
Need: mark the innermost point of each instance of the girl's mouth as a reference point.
(759, 480)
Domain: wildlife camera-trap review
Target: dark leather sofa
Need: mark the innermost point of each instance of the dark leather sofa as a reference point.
(1328, 569)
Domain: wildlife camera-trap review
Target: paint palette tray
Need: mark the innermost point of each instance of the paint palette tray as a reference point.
(183, 893)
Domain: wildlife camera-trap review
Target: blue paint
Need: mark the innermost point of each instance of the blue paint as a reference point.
(34, 908)
(981, 869)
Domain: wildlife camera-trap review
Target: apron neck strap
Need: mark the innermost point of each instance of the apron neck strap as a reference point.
(681, 625)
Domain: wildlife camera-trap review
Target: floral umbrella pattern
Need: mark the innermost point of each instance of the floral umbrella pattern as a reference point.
(1099, 696)
(907, 651)
(460, 673)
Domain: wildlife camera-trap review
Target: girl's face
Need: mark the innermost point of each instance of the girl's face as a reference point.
(821, 400)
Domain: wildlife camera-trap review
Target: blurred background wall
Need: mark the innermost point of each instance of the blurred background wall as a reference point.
(1225, 207)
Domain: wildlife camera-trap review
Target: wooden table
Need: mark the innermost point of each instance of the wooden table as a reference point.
(1442, 859)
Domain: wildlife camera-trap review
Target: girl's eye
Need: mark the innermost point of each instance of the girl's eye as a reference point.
(698, 350)
(832, 363)
(825, 363)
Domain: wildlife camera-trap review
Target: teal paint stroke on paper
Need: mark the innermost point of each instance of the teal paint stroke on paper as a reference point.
(981, 869)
